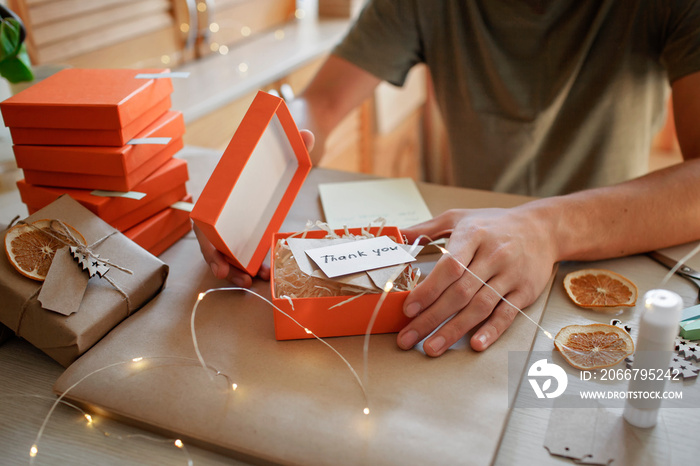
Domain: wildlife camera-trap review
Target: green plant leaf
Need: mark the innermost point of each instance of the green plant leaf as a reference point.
(9, 38)
(17, 69)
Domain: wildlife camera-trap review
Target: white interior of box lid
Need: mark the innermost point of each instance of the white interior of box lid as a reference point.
(257, 192)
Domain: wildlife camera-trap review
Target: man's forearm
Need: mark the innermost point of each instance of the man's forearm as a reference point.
(657, 210)
(300, 110)
(338, 87)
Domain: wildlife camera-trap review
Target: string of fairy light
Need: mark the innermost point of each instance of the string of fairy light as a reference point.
(178, 443)
(546, 332)
(679, 264)
(306, 330)
(233, 386)
(134, 362)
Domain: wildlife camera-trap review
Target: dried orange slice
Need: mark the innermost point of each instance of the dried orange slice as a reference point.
(588, 347)
(31, 249)
(600, 289)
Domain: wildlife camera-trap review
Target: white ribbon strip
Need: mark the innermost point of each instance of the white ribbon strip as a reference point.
(182, 205)
(127, 195)
(172, 74)
(161, 141)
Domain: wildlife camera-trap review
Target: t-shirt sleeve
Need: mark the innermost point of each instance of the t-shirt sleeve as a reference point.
(681, 52)
(385, 40)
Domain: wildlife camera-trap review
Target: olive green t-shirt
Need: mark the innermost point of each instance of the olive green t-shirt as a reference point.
(540, 97)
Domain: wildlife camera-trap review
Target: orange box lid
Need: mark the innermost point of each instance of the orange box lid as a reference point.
(169, 177)
(254, 184)
(115, 137)
(162, 230)
(348, 316)
(155, 205)
(178, 232)
(101, 160)
(105, 182)
(86, 99)
(140, 213)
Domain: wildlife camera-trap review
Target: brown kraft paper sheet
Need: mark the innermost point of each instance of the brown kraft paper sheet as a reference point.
(296, 402)
(64, 338)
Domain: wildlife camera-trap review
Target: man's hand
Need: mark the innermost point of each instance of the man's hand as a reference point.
(510, 249)
(220, 266)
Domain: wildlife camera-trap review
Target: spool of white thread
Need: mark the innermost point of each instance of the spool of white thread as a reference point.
(658, 328)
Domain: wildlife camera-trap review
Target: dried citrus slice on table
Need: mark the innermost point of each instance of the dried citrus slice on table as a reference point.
(601, 289)
(31, 249)
(594, 346)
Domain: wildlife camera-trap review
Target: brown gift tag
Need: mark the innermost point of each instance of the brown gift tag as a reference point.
(591, 434)
(65, 284)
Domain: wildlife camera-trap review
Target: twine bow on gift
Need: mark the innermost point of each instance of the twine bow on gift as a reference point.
(85, 256)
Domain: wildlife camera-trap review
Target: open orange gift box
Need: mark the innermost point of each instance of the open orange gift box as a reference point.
(87, 107)
(338, 315)
(102, 167)
(244, 204)
(163, 188)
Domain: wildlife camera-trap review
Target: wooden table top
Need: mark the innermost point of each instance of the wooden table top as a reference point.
(27, 377)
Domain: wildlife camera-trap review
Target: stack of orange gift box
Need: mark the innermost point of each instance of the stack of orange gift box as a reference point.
(106, 138)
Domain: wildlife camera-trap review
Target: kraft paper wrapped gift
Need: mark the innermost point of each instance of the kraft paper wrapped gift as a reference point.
(163, 188)
(62, 337)
(102, 167)
(93, 107)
